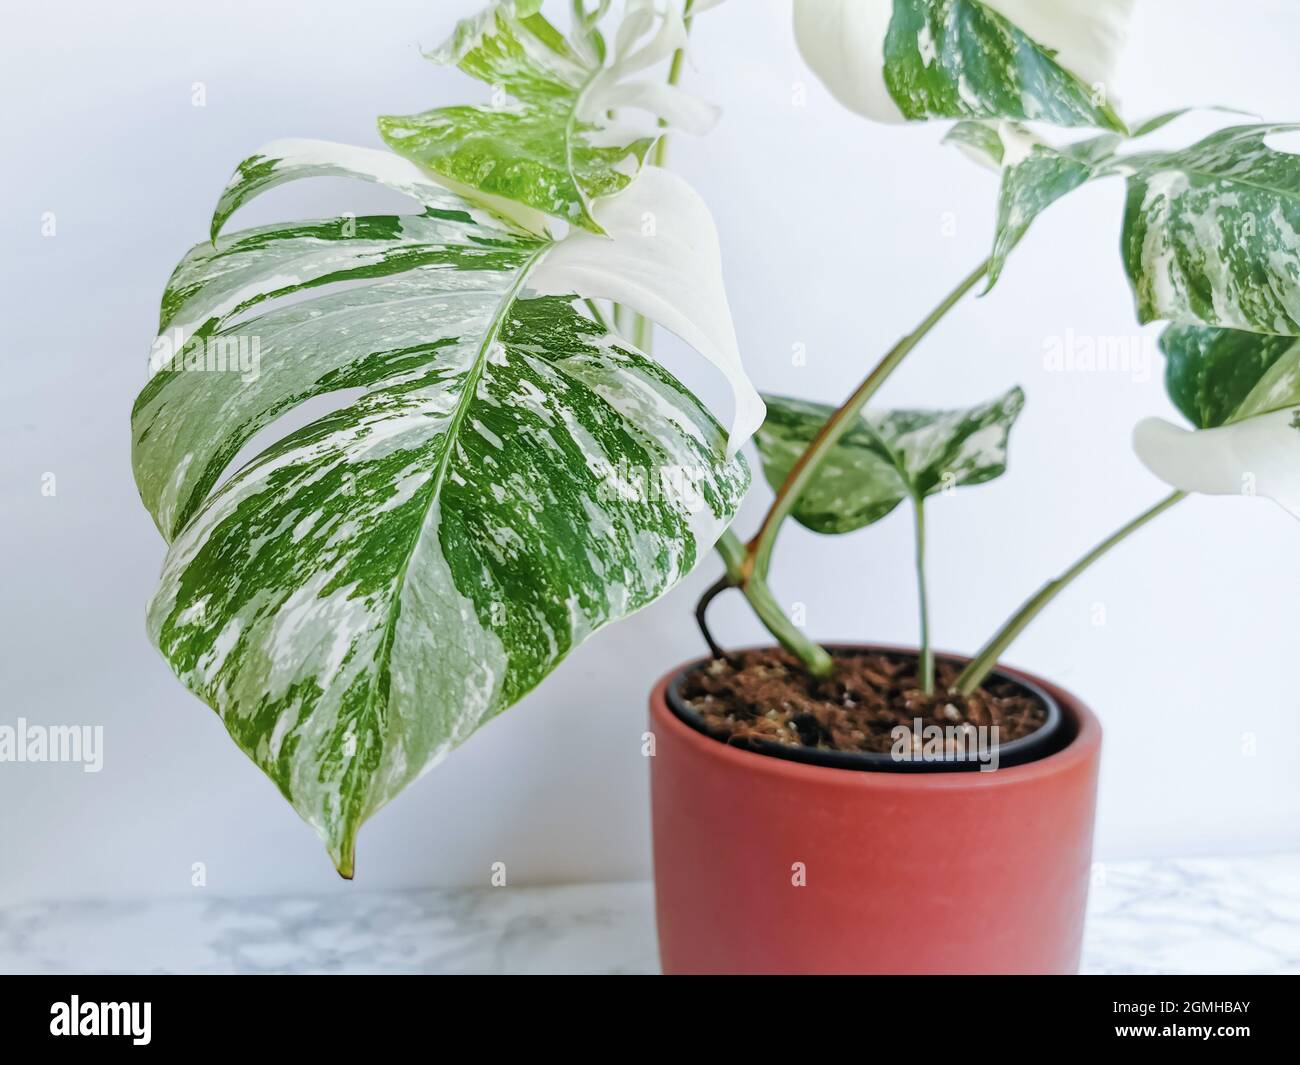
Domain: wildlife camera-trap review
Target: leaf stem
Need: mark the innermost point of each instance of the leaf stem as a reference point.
(596, 315)
(756, 592)
(643, 336)
(982, 664)
(758, 552)
(702, 610)
(642, 328)
(813, 657)
(660, 157)
(927, 655)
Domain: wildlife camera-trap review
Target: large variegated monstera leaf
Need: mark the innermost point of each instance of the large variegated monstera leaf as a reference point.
(368, 590)
(895, 60)
(548, 140)
(889, 456)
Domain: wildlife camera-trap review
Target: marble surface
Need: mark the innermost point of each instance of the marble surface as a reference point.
(1238, 915)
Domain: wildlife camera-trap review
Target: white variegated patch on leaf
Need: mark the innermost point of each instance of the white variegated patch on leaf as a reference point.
(1242, 392)
(567, 126)
(369, 589)
(994, 144)
(1212, 232)
(888, 457)
(895, 60)
(664, 262)
(1259, 456)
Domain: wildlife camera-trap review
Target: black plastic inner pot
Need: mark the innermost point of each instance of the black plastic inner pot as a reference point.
(1054, 734)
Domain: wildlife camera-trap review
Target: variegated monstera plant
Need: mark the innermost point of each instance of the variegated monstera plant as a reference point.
(361, 593)
(1211, 244)
(365, 591)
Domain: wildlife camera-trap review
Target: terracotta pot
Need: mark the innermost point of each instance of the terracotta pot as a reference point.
(941, 872)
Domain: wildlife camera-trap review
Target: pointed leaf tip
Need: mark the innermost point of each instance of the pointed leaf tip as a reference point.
(307, 596)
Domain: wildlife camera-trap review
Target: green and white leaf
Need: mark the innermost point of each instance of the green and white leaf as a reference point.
(1035, 174)
(293, 159)
(1037, 180)
(365, 592)
(887, 458)
(993, 144)
(1211, 232)
(548, 140)
(897, 60)
(1208, 230)
(1242, 391)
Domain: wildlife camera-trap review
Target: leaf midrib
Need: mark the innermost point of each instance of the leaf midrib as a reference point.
(569, 134)
(894, 460)
(458, 417)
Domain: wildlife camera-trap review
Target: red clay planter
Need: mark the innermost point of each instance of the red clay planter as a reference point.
(948, 872)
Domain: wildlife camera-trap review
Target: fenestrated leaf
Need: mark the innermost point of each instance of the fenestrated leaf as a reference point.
(890, 456)
(552, 145)
(368, 590)
(1210, 232)
(892, 60)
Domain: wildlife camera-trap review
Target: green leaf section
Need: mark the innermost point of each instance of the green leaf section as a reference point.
(962, 59)
(889, 457)
(1035, 183)
(501, 478)
(1219, 376)
(533, 145)
(1211, 232)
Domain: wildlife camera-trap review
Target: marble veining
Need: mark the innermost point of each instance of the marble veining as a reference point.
(1205, 915)
(1221, 915)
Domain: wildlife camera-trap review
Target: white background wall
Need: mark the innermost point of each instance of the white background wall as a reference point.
(838, 236)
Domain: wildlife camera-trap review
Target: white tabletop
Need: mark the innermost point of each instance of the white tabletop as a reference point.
(1205, 915)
